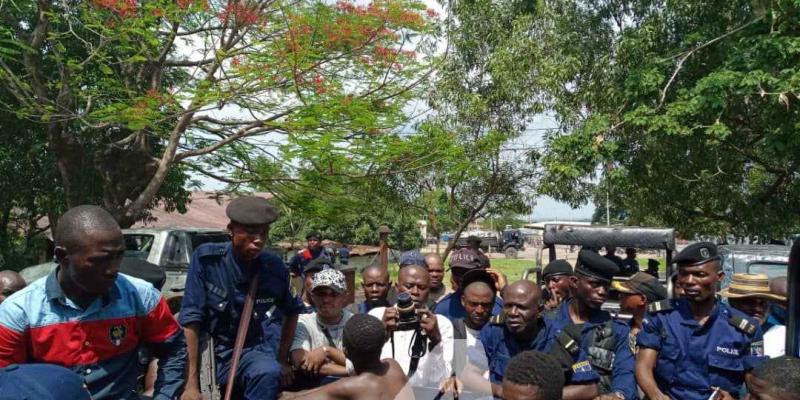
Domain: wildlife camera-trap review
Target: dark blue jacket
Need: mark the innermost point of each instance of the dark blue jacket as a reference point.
(693, 358)
(500, 346)
(216, 286)
(622, 378)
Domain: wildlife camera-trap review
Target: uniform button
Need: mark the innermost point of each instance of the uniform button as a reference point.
(221, 304)
(88, 371)
(86, 343)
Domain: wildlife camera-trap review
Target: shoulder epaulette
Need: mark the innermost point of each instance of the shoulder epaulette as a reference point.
(211, 250)
(660, 306)
(742, 324)
(497, 320)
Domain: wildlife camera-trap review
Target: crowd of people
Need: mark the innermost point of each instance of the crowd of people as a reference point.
(84, 326)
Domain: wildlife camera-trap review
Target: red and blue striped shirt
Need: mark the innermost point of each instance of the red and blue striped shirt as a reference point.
(101, 342)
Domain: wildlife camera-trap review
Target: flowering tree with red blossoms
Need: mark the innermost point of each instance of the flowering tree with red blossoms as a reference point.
(131, 91)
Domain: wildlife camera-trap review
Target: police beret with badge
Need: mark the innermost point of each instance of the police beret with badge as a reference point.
(318, 264)
(465, 258)
(594, 265)
(251, 210)
(696, 254)
(557, 267)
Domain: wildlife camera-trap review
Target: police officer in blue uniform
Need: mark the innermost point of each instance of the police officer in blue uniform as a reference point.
(461, 261)
(516, 329)
(592, 346)
(216, 286)
(695, 346)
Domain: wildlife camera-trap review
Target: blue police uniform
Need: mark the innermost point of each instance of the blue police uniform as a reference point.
(583, 370)
(693, 358)
(500, 346)
(450, 306)
(216, 287)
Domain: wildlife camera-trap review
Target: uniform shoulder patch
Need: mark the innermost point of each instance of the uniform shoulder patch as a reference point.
(742, 324)
(581, 366)
(211, 250)
(660, 306)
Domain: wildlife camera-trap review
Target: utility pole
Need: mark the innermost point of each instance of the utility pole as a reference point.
(608, 209)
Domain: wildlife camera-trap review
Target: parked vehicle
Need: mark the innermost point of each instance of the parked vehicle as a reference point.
(769, 259)
(597, 237)
(510, 242)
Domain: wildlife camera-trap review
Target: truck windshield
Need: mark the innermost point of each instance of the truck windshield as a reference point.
(771, 269)
(138, 245)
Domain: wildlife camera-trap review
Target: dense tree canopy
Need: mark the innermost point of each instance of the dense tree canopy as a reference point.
(131, 94)
(685, 112)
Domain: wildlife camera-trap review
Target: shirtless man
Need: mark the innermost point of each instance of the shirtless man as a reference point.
(374, 379)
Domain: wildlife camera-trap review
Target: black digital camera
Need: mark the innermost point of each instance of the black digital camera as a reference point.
(407, 317)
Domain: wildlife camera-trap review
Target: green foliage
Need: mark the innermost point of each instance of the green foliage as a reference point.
(133, 95)
(689, 109)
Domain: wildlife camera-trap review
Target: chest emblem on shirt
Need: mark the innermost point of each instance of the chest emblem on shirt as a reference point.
(117, 334)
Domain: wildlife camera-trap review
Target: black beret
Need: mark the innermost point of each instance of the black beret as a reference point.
(596, 266)
(557, 267)
(478, 275)
(313, 234)
(696, 254)
(318, 264)
(251, 210)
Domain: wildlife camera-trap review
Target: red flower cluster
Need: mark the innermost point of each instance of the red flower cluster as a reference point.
(242, 14)
(123, 8)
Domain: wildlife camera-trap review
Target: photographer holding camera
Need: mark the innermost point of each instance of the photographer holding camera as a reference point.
(419, 340)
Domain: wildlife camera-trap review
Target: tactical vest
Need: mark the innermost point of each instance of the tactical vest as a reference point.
(601, 350)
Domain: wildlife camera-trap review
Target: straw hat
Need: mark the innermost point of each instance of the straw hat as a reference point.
(750, 285)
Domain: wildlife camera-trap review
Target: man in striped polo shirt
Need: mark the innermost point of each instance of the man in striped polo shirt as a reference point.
(87, 317)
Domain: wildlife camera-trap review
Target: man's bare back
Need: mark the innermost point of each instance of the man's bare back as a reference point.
(387, 384)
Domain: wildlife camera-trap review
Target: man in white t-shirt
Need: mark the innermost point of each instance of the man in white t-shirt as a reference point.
(435, 333)
(316, 349)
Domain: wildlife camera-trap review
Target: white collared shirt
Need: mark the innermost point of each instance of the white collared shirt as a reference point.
(435, 366)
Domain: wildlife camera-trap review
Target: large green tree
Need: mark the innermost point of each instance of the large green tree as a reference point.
(684, 112)
(133, 94)
(481, 103)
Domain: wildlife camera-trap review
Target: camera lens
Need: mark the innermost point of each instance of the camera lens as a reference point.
(404, 302)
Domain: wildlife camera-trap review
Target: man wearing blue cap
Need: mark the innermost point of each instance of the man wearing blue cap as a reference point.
(221, 276)
(696, 346)
(593, 347)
